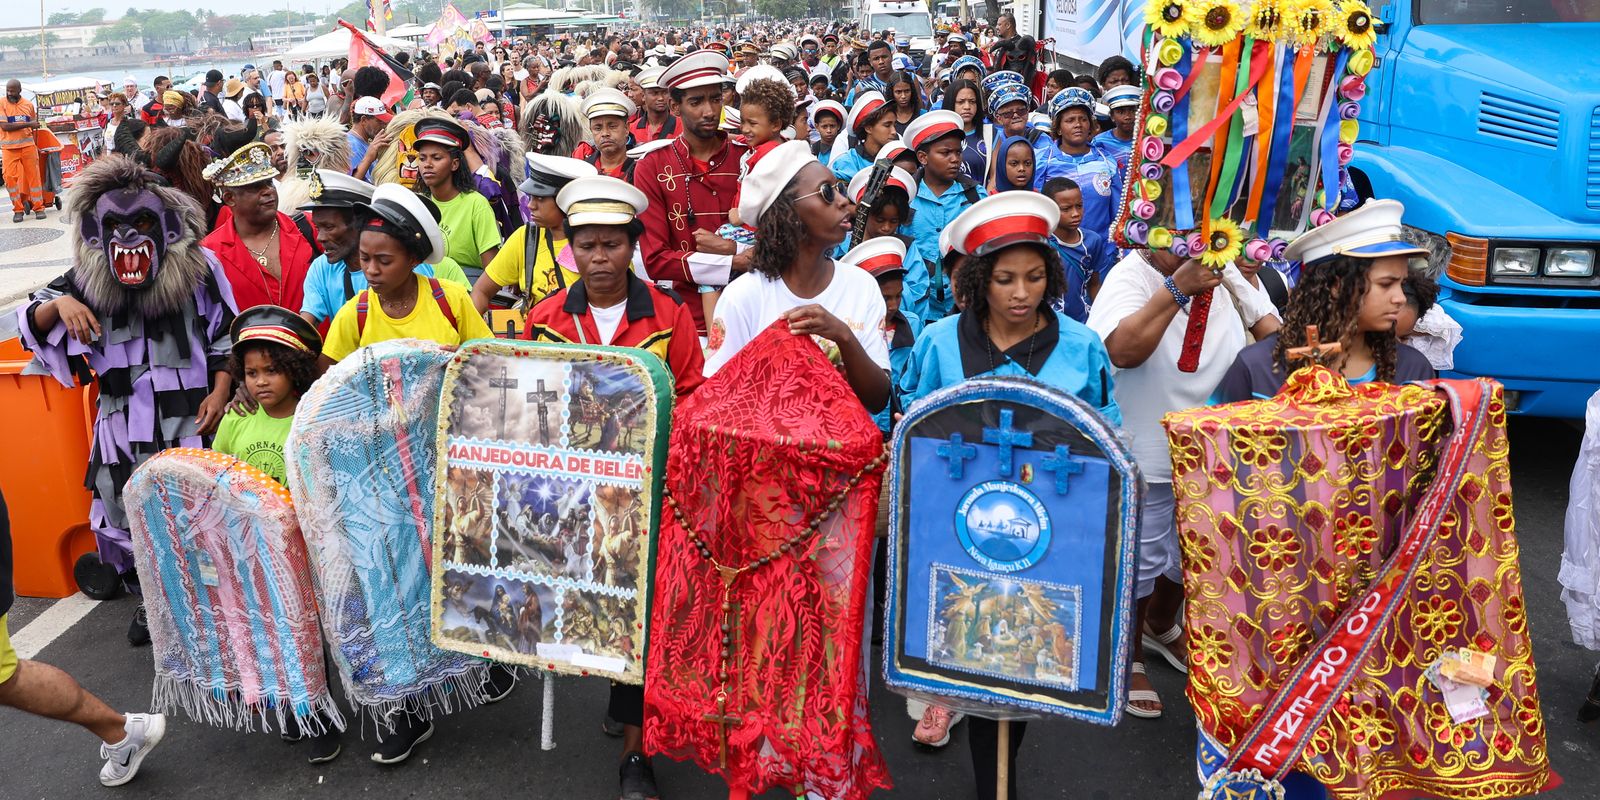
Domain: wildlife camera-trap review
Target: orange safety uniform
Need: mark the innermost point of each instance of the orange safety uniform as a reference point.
(21, 158)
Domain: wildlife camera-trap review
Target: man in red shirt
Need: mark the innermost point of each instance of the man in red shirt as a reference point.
(264, 252)
(691, 184)
(607, 111)
(654, 120)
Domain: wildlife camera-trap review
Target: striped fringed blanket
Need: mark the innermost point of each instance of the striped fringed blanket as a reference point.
(233, 621)
(361, 459)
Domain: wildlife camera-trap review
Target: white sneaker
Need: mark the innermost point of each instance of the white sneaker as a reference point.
(123, 758)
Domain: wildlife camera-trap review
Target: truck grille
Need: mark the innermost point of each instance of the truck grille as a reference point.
(1532, 124)
(1592, 186)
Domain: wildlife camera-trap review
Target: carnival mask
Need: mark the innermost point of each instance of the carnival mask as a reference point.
(135, 229)
(409, 174)
(546, 133)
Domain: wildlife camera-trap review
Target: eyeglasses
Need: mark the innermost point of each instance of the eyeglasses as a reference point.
(830, 191)
(1012, 114)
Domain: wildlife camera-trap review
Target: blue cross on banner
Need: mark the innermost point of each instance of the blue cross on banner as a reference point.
(1007, 437)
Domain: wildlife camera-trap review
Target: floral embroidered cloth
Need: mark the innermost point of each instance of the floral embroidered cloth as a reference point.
(756, 669)
(1286, 509)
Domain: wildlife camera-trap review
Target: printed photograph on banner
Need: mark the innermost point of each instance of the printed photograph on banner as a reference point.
(619, 536)
(542, 525)
(1297, 183)
(467, 521)
(598, 630)
(1199, 166)
(1005, 627)
(512, 400)
(1316, 90)
(1203, 94)
(607, 408)
(511, 615)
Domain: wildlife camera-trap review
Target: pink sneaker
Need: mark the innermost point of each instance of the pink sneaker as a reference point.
(933, 730)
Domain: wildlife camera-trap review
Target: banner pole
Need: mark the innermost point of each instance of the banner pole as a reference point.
(1002, 770)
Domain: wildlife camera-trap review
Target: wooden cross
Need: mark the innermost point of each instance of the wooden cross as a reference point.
(1315, 350)
(541, 397)
(504, 383)
(723, 720)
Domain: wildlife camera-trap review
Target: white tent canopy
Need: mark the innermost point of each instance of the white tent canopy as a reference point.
(336, 43)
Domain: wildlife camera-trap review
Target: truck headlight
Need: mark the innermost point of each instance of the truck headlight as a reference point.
(1515, 262)
(1569, 262)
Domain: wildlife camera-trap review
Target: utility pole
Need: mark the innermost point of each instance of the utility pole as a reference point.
(44, 50)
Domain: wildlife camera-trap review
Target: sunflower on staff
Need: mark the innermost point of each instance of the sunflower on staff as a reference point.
(1223, 244)
(1309, 20)
(1354, 26)
(1266, 22)
(1167, 17)
(1214, 23)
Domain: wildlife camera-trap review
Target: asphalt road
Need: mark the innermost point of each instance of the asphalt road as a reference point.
(494, 751)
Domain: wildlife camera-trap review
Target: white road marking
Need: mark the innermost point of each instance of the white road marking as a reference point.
(55, 620)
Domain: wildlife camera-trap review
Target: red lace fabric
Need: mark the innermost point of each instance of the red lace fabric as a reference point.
(758, 452)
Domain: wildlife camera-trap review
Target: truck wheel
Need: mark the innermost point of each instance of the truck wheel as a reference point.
(96, 578)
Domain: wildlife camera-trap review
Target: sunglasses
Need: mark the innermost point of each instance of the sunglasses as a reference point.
(831, 191)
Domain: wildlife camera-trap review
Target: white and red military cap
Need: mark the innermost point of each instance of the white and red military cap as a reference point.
(601, 200)
(1001, 220)
(1371, 231)
(893, 150)
(866, 103)
(882, 257)
(650, 78)
(833, 107)
(932, 126)
(897, 177)
(700, 68)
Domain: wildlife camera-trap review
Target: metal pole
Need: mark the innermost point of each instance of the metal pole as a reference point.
(44, 51)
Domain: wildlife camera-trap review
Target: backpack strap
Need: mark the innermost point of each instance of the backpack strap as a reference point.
(361, 314)
(968, 188)
(306, 231)
(444, 303)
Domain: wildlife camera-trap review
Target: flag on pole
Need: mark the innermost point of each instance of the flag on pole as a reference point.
(363, 53)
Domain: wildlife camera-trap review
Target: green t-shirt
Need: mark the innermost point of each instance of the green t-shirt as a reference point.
(469, 228)
(257, 439)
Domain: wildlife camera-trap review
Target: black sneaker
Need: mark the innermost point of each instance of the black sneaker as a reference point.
(39, 214)
(638, 778)
(611, 727)
(1590, 711)
(408, 733)
(500, 682)
(325, 748)
(139, 628)
(17, 217)
(292, 732)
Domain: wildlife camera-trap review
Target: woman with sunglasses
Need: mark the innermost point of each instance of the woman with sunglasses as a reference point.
(801, 214)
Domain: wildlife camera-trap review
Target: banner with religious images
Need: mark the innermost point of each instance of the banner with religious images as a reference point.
(1013, 527)
(549, 485)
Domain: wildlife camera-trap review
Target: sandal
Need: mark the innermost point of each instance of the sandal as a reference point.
(1142, 696)
(1160, 644)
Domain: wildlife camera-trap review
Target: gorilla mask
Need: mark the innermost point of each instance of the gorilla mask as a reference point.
(134, 228)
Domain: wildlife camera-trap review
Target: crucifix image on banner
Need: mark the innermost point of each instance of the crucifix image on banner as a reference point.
(550, 464)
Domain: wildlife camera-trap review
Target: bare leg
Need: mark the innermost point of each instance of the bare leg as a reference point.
(46, 691)
(1162, 613)
(632, 739)
(1137, 681)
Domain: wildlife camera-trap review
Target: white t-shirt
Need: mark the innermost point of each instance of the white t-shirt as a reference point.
(607, 320)
(1152, 389)
(275, 83)
(752, 302)
(232, 109)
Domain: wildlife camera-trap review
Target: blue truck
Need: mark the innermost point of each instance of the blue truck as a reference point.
(1483, 117)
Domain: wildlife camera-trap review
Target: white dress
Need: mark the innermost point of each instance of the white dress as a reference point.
(1580, 561)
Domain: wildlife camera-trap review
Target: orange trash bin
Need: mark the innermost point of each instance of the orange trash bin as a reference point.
(46, 429)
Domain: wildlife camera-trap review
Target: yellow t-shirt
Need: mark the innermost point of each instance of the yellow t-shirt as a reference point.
(426, 321)
(510, 268)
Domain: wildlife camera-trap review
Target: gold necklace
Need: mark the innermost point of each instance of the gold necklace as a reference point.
(261, 257)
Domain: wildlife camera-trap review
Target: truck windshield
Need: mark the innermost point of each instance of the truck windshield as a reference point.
(1496, 12)
(909, 24)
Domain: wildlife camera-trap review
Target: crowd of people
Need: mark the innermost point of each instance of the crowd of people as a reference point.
(927, 221)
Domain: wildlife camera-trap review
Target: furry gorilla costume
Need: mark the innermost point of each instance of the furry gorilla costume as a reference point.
(164, 309)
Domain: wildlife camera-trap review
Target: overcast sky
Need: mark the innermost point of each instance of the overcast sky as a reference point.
(115, 8)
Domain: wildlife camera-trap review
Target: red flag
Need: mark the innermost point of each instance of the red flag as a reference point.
(363, 53)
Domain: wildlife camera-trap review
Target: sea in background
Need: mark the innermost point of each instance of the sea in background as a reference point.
(146, 75)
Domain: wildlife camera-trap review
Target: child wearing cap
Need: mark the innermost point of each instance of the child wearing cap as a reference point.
(1123, 102)
(1353, 290)
(399, 231)
(827, 120)
(274, 358)
(1085, 255)
(1006, 328)
(942, 194)
(871, 121)
(472, 234)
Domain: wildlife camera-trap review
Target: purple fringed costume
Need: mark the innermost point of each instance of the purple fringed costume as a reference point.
(153, 373)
